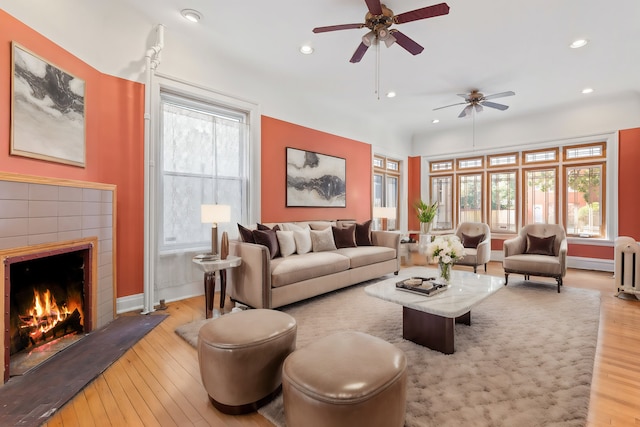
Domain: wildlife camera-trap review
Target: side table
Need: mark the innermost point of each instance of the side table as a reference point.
(210, 267)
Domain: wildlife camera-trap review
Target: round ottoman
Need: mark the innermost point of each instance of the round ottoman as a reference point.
(348, 379)
(241, 356)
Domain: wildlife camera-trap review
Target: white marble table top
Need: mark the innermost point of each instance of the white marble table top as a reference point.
(209, 266)
(466, 289)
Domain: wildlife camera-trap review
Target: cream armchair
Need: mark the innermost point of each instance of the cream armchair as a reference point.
(539, 250)
(476, 239)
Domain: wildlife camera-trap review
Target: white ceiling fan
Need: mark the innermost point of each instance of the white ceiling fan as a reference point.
(476, 100)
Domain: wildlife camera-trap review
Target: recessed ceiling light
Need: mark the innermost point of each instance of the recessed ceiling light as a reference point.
(391, 94)
(434, 121)
(306, 49)
(578, 43)
(191, 15)
(587, 90)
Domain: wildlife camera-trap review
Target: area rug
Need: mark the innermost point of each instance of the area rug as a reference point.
(526, 360)
(30, 399)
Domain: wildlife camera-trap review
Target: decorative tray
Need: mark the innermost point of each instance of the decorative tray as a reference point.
(421, 285)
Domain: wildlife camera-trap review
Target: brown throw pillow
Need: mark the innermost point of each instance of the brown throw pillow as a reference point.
(264, 227)
(344, 237)
(472, 242)
(540, 245)
(246, 235)
(363, 234)
(269, 239)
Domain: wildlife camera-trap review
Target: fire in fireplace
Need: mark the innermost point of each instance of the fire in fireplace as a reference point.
(48, 298)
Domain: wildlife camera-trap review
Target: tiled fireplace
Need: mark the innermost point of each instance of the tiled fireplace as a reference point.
(56, 250)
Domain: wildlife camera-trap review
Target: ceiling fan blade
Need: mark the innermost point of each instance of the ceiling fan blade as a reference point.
(466, 111)
(359, 53)
(374, 6)
(500, 107)
(478, 108)
(337, 27)
(500, 95)
(411, 46)
(447, 106)
(423, 13)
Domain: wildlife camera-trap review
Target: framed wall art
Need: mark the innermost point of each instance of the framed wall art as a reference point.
(47, 110)
(315, 180)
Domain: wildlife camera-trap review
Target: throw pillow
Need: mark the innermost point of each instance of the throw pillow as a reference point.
(344, 237)
(286, 243)
(264, 227)
(540, 245)
(269, 239)
(303, 240)
(246, 235)
(472, 242)
(363, 234)
(322, 240)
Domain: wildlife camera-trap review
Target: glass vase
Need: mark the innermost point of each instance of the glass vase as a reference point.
(444, 272)
(425, 228)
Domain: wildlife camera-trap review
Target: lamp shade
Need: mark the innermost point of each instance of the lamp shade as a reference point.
(215, 213)
(384, 212)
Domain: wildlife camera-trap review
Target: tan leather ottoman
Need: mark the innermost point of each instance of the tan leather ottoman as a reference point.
(241, 356)
(348, 379)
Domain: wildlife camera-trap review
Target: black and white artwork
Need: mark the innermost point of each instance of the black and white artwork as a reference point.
(47, 114)
(315, 180)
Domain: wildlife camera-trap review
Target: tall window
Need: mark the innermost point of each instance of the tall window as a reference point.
(503, 201)
(470, 198)
(203, 157)
(386, 188)
(584, 194)
(442, 192)
(540, 198)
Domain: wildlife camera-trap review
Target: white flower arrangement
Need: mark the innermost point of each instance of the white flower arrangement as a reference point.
(446, 249)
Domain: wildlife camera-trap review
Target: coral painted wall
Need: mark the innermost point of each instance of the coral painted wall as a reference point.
(413, 190)
(277, 135)
(628, 177)
(114, 126)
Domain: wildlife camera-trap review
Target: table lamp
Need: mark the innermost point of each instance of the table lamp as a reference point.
(384, 213)
(214, 214)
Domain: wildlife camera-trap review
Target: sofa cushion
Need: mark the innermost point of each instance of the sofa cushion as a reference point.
(540, 245)
(540, 264)
(269, 239)
(366, 255)
(286, 243)
(293, 269)
(322, 240)
(246, 234)
(471, 241)
(344, 237)
(363, 234)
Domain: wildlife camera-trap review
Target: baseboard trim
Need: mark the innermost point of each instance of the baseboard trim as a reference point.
(176, 293)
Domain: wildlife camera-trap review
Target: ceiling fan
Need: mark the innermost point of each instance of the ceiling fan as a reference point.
(476, 99)
(379, 19)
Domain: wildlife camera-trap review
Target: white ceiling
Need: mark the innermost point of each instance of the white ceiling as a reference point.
(490, 45)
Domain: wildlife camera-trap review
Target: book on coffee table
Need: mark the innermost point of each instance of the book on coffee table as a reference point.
(421, 285)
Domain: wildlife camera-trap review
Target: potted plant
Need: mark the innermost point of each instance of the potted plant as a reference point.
(426, 214)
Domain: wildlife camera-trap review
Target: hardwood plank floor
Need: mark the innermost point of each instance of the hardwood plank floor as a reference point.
(157, 382)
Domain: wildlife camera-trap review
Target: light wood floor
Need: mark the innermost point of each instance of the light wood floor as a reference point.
(157, 382)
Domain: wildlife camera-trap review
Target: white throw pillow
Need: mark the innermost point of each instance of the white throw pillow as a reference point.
(303, 240)
(288, 226)
(286, 242)
(322, 240)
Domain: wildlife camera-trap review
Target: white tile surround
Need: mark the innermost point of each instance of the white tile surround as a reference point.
(35, 213)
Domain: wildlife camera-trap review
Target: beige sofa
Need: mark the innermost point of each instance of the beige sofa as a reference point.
(262, 282)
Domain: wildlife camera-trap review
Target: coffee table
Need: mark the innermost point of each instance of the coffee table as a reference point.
(429, 320)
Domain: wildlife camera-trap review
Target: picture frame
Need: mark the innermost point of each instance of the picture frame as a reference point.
(315, 180)
(47, 110)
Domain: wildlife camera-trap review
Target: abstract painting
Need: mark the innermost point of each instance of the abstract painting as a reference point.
(47, 110)
(315, 180)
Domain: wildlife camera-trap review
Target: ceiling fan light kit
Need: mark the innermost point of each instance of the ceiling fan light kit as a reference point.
(379, 19)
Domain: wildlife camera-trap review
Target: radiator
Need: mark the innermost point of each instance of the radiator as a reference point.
(627, 270)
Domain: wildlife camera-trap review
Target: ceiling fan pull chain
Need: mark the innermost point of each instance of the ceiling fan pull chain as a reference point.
(378, 69)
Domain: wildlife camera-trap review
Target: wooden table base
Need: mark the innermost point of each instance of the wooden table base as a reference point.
(430, 330)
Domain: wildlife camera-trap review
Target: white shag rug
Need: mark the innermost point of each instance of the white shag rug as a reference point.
(526, 360)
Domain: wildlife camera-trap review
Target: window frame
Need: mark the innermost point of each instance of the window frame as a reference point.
(603, 196)
(489, 200)
(452, 200)
(524, 197)
(386, 174)
(482, 195)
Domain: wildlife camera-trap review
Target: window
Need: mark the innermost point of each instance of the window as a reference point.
(203, 156)
(584, 195)
(540, 196)
(503, 191)
(442, 191)
(386, 189)
(441, 166)
(503, 160)
(470, 198)
(471, 163)
(578, 152)
(539, 156)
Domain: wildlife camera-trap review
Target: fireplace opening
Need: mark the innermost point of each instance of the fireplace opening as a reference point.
(49, 305)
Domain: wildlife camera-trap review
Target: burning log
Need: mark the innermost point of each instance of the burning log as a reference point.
(70, 323)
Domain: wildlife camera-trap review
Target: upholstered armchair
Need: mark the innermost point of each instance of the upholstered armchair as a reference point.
(476, 239)
(538, 250)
